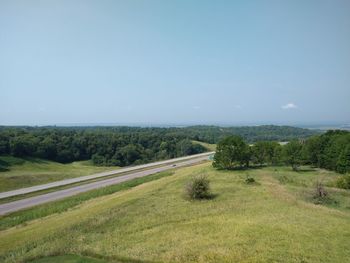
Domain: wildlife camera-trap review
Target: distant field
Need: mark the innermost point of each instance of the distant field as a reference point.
(209, 146)
(274, 220)
(17, 172)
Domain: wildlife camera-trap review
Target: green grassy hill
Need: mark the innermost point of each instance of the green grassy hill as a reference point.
(274, 220)
(17, 172)
(208, 146)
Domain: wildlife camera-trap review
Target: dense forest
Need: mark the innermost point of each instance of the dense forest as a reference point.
(251, 134)
(330, 150)
(123, 146)
(120, 147)
(127, 145)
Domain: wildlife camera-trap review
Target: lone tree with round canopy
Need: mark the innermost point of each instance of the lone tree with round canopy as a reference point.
(231, 152)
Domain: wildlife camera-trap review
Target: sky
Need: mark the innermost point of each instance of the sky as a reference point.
(176, 62)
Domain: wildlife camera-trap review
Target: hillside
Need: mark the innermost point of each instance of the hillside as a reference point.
(24, 172)
(273, 220)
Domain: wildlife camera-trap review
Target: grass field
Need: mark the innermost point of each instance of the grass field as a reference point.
(68, 259)
(274, 220)
(18, 173)
(23, 216)
(209, 146)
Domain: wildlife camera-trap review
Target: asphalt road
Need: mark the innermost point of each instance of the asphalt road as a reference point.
(49, 197)
(36, 188)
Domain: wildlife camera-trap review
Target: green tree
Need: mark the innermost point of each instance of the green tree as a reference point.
(23, 145)
(98, 159)
(46, 149)
(130, 153)
(343, 162)
(4, 144)
(277, 155)
(263, 152)
(230, 152)
(292, 154)
(184, 147)
(312, 151)
(259, 153)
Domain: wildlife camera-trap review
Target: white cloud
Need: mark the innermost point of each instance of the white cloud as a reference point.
(289, 106)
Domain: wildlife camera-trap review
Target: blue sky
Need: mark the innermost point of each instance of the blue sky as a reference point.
(174, 62)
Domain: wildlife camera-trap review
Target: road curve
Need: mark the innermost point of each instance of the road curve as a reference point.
(49, 197)
(36, 188)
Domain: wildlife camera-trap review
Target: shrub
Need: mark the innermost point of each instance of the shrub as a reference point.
(320, 190)
(249, 179)
(344, 182)
(198, 188)
(320, 194)
(292, 154)
(286, 179)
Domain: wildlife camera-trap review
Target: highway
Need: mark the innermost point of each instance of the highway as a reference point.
(36, 188)
(134, 172)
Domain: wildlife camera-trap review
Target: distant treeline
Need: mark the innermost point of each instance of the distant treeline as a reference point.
(251, 134)
(121, 147)
(127, 145)
(330, 151)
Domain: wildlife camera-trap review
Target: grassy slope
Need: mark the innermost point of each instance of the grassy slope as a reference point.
(17, 173)
(59, 206)
(68, 259)
(266, 222)
(209, 146)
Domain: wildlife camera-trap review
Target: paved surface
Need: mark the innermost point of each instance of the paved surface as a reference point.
(41, 199)
(94, 176)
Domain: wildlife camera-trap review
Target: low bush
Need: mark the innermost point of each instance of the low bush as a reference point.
(320, 194)
(343, 182)
(320, 191)
(249, 180)
(285, 179)
(198, 188)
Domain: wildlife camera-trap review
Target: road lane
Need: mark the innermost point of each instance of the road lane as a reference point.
(36, 188)
(49, 197)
